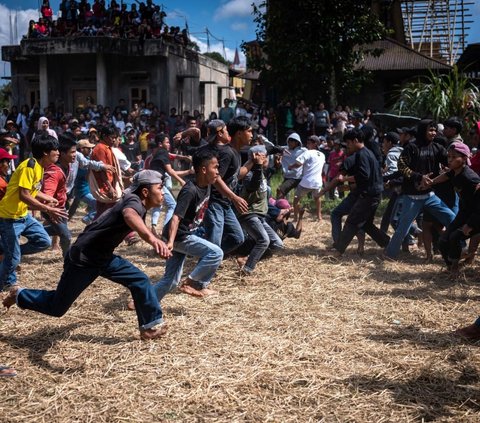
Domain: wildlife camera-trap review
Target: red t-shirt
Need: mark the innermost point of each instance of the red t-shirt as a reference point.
(54, 184)
(3, 187)
(475, 163)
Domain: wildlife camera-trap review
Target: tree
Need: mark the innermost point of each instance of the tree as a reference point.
(311, 47)
(218, 57)
(440, 97)
(5, 93)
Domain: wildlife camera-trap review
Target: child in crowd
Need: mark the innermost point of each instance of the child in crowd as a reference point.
(253, 222)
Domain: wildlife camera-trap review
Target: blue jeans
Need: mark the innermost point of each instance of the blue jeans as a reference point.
(210, 258)
(91, 203)
(411, 207)
(11, 230)
(170, 203)
(61, 229)
(222, 227)
(262, 234)
(337, 214)
(75, 279)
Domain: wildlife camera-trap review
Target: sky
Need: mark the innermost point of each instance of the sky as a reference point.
(227, 20)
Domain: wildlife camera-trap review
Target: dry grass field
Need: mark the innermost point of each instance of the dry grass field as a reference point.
(307, 339)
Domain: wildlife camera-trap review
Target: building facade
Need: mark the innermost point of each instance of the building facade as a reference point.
(66, 72)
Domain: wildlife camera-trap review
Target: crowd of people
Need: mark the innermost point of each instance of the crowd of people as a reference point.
(82, 18)
(122, 164)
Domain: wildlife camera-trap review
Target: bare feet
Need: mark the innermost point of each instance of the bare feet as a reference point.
(469, 258)
(154, 333)
(187, 288)
(131, 305)
(6, 371)
(241, 261)
(11, 298)
(208, 291)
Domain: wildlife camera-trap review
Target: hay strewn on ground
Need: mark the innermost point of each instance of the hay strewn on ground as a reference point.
(308, 338)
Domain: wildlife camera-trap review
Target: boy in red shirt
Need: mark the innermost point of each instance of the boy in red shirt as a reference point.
(55, 185)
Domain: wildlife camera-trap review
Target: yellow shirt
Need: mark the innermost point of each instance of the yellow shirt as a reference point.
(28, 175)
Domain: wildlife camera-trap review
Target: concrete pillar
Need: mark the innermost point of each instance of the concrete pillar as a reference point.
(101, 80)
(43, 80)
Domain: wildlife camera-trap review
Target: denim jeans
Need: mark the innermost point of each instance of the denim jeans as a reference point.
(210, 256)
(453, 239)
(61, 229)
(75, 279)
(411, 207)
(262, 234)
(11, 230)
(170, 203)
(337, 214)
(222, 227)
(91, 203)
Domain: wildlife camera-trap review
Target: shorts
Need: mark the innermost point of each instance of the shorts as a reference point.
(302, 191)
(288, 184)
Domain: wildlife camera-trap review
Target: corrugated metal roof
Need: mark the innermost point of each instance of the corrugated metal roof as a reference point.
(398, 56)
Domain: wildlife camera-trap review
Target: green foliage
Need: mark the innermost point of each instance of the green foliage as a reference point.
(311, 47)
(5, 93)
(194, 46)
(440, 97)
(218, 57)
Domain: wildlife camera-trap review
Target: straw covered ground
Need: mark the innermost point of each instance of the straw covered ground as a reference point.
(307, 339)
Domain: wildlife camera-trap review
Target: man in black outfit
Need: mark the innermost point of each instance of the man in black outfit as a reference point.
(362, 169)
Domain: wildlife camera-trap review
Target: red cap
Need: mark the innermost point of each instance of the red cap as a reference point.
(4, 155)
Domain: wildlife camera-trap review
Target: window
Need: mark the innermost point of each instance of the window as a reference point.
(137, 94)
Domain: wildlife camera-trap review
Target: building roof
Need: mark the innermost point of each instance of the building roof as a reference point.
(470, 57)
(397, 56)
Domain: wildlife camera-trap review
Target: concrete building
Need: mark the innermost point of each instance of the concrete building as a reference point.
(65, 71)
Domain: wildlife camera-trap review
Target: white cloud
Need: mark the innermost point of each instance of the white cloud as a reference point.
(239, 26)
(235, 9)
(18, 30)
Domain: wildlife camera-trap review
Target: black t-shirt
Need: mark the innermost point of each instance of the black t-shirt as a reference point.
(159, 160)
(229, 163)
(95, 245)
(192, 203)
(366, 169)
(131, 151)
(465, 183)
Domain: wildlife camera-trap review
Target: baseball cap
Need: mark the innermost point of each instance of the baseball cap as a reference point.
(92, 129)
(85, 144)
(461, 148)
(144, 177)
(4, 154)
(213, 127)
(357, 115)
(454, 122)
(393, 137)
(282, 203)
